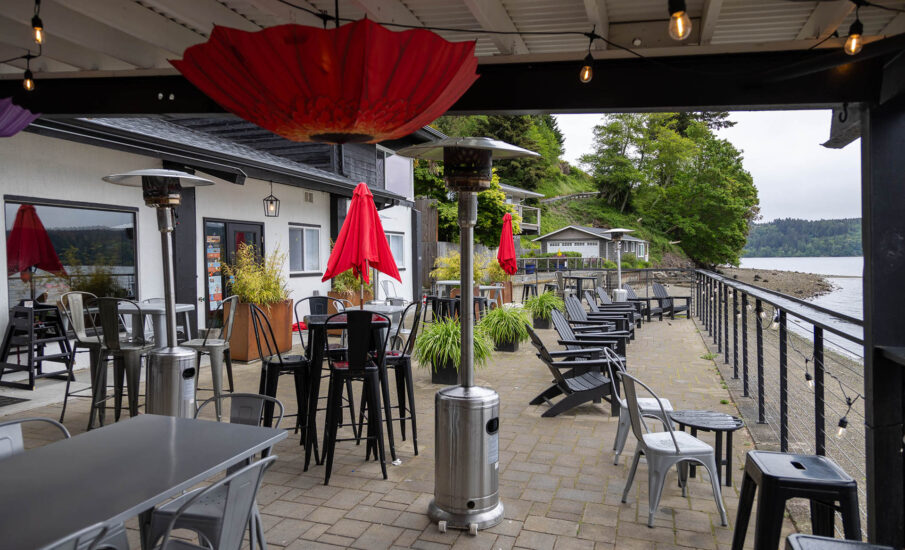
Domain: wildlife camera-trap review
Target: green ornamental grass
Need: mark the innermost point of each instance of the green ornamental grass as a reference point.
(255, 281)
(505, 324)
(440, 343)
(542, 305)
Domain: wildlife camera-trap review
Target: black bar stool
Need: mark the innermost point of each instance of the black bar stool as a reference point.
(810, 542)
(528, 289)
(778, 477)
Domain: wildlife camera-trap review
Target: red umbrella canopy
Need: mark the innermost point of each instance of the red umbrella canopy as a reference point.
(506, 254)
(362, 242)
(360, 82)
(29, 246)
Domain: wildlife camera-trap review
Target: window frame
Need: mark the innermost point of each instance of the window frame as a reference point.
(400, 262)
(303, 227)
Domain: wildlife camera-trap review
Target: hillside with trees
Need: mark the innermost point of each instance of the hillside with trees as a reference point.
(794, 237)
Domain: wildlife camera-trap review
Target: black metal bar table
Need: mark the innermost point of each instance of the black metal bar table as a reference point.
(712, 421)
(115, 473)
(317, 345)
(579, 282)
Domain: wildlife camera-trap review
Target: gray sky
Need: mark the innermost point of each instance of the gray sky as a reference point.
(795, 176)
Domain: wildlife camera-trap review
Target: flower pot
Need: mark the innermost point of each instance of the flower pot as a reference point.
(507, 346)
(445, 374)
(242, 344)
(540, 323)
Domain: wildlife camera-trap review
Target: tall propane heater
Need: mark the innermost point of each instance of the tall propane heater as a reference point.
(171, 369)
(619, 295)
(466, 483)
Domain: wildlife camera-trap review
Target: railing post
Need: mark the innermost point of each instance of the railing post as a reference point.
(735, 333)
(819, 404)
(726, 291)
(705, 301)
(783, 384)
(745, 345)
(761, 411)
(718, 340)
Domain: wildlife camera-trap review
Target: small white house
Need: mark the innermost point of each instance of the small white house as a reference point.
(57, 165)
(591, 242)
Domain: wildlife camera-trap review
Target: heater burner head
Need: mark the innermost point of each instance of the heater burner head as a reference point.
(159, 187)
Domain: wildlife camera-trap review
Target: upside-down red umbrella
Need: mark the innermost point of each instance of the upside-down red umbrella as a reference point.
(361, 243)
(359, 82)
(28, 246)
(506, 254)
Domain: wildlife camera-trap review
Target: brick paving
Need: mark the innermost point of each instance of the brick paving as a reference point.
(558, 483)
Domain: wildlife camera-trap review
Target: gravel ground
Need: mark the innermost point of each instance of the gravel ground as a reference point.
(793, 283)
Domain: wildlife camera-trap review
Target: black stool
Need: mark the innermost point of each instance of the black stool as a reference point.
(551, 287)
(527, 290)
(810, 542)
(778, 477)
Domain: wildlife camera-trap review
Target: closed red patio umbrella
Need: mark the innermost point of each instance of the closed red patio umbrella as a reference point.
(506, 254)
(28, 246)
(361, 242)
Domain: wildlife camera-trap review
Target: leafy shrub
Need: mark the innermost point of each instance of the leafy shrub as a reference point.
(96, 279)
(347, 284)
(505, 324)
(254, 281)
(441, 342)
(609, 265)
(448, 268)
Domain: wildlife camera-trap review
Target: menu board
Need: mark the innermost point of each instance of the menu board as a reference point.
(213, 257)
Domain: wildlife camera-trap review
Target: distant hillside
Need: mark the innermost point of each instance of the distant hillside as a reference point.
(793, 237)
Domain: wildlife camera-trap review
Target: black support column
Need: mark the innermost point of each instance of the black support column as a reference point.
(883, 229)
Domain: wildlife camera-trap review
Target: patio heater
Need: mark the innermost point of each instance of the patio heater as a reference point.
(171, 369)
(619, 295)
(466, 467)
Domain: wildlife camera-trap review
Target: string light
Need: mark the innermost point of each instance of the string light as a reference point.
(28, 79)
(679, 22)
(37, 25)
(843, 424)
(587, 69)
(854, 42)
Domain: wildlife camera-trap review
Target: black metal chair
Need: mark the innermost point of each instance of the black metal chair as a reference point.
(399, 358)
(647, 308)
(274, 364)
(585, 382)
(668, 303)
(366, 351)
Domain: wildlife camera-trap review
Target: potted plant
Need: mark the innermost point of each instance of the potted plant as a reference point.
(506, 327)
(440, 346)
(347, 286)
(541, 308)
(494, 274)
(258, 281)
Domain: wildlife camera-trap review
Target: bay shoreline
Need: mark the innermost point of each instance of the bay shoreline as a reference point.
(794, 283)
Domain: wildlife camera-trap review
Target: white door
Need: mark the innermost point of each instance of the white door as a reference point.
(587, 249)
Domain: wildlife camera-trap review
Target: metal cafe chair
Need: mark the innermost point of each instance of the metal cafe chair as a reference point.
(74, 306)
(126, 349)
(244, 408)
(228, 514)
(664, 450)
(274, 364)
(217, 348)
(111, 536)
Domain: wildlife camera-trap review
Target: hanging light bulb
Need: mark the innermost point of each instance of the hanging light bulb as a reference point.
(679, 22)
(587, 69)
(28, 80)
(37, 25)
(749, 307)
(854, 42)
(763, 314)
(843, 424)
(809, 379)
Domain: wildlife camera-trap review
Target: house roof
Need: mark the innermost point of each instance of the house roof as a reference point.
(513, 191)
(205, 152)
(598, 232)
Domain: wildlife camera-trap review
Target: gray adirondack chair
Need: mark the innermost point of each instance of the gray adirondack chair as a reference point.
(669, 302)
(647, 307)
(664, 450)
(217, 348)
(585, 383)
(622, 321)
(605, 303)
(578, 340)
(650, 407)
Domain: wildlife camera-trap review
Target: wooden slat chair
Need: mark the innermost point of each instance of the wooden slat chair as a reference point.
(626, 310)
(578, 389)
(577, 341)
(669, 302)
(647, 308)
(577, 315)
(606, 302)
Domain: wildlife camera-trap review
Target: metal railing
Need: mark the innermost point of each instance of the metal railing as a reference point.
(530, 216)
(796, 370)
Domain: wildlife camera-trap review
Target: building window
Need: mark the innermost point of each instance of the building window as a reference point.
(304, 249)
(96, 247)
(397, 243)
(640, 249)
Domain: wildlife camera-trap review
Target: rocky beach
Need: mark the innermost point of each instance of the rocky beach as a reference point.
(794, 283)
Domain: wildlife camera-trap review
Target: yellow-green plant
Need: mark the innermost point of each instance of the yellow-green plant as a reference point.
(255, 281)
(449, 268)
(542, 305)
(493, 272)
(347, 284)
(441, 343)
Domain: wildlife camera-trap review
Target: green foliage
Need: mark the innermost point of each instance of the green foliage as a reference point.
(566, 254)
(441, 342)
(793, 237)
(347, 284)
(493, 271)
(542, 305)
(505, 324)
(97, 279)
(447, 268)
(255, 281)
(610, 265)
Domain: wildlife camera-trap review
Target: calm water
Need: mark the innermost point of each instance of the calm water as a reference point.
(843, 272)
